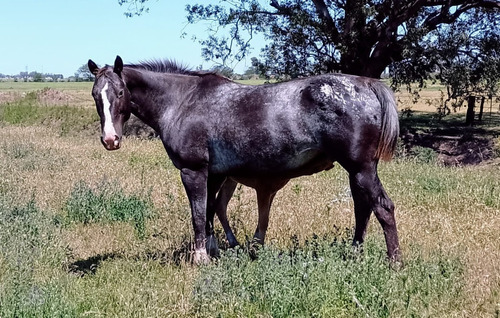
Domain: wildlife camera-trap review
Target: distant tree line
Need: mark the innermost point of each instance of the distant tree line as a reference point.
(33, 76)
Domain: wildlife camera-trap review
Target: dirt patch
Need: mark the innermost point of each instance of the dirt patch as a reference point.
(7, 97)
(453, 150)
(45, 96)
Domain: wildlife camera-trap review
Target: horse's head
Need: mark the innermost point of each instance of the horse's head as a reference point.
(112, 99)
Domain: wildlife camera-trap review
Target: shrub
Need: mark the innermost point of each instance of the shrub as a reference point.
(424, 155)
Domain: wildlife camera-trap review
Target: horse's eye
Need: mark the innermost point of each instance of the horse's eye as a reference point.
(120, 93)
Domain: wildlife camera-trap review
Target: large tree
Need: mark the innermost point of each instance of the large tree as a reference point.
(361, 37)
(456, 42)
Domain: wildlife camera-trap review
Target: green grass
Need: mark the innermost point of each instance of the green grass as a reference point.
(108, 203)
(31, 260)
(321, 277)
(325, 278)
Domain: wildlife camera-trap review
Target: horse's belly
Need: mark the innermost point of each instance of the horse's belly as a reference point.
(270, 163)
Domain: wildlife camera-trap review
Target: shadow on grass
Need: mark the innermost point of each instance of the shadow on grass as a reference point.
(90, 265)
(453, 142)
(451, 125)
(176, 256)
(183, 254)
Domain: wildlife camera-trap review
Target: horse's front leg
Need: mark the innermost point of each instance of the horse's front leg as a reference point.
(369, 195)
(216, 184)
(195, 184)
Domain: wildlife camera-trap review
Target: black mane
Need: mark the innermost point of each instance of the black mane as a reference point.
(169, 66)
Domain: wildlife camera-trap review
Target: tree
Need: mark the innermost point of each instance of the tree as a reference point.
(37, 77)
(257, 69)
(83, 74)
(306, 37)
(224, 70)
(454, 40)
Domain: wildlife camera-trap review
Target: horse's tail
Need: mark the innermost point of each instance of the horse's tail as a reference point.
(390, 121)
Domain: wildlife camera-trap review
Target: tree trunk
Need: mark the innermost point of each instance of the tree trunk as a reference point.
(469, 119)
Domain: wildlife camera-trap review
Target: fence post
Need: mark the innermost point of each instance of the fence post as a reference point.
(481, 108)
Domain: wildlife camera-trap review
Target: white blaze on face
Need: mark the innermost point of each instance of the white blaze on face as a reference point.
(109, 128)
(327, 90)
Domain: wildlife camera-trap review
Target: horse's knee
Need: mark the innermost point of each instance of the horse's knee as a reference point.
(384, 211)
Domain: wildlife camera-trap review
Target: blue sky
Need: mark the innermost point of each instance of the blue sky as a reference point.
(58, 36)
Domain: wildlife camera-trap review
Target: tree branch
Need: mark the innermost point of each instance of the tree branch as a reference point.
(324, 15)
(487, 4)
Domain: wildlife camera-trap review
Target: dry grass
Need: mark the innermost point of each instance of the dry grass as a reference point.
(455, 210)
(451, 211)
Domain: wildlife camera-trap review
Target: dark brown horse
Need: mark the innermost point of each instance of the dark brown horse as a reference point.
(218, 132)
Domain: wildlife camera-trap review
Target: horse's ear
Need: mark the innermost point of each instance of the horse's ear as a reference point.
(118, 67)
(93, 68)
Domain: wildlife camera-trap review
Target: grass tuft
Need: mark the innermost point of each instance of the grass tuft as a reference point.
(108, 203)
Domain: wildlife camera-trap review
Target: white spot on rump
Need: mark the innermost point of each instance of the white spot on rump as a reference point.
(109, 129)
(327, 90)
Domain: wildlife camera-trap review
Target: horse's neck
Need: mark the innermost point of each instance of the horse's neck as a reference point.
(152, 95)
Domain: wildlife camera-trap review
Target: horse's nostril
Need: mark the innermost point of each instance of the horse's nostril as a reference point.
(111, 142)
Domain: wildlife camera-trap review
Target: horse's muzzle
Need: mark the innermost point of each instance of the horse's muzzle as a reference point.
(111, 142)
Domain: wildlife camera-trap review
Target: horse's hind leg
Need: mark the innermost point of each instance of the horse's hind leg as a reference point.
(266, 190)
(221, 202)
(369, 195)
(214, 184)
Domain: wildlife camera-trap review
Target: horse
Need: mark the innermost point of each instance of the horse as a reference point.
(219, 133)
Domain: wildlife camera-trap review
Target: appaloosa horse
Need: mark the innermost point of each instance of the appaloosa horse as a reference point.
(218, 132)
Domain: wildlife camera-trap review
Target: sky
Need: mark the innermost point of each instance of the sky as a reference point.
(59, 36)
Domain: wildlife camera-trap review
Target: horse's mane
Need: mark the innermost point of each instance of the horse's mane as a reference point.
(169, 66)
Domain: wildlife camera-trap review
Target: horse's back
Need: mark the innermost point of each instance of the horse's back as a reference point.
(287, 126)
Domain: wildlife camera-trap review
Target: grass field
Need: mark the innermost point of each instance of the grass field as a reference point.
(90, 233)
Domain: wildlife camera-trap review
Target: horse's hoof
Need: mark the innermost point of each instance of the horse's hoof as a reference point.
(201, 257)
(212, 247)
(232, 241)
(253, 249)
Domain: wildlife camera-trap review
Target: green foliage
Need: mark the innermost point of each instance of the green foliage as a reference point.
(326, 278)
(83, 74)
(108, 203)
(355, 37)
(423, 155)
(463, 56)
